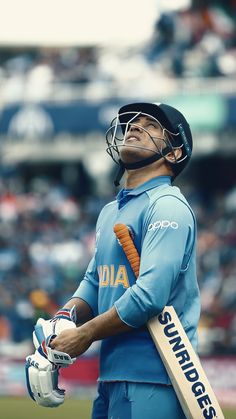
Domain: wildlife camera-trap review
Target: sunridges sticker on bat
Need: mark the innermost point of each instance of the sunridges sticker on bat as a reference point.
(183, 366)
(189, 380)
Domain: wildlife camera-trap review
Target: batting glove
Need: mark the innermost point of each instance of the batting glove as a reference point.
(42, 367)
(42, 381)
(63, 319)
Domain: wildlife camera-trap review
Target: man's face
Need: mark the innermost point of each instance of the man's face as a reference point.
(143, 138)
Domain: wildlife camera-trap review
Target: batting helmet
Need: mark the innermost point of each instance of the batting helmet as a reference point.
(171, 120)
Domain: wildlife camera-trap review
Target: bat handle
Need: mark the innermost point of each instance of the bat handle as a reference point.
(123, 235)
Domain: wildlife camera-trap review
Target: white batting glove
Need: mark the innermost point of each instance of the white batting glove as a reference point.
(63, 319)
(42, 373)
(42, 381)
(42, 367)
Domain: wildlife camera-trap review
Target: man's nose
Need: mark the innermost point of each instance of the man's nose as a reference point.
(135, 127)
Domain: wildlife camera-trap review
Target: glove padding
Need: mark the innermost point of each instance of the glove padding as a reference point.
(42, 381)
(58, 358)
(42, 368)
(63, 319)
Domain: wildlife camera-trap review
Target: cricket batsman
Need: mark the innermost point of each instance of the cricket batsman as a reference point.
(151, 145)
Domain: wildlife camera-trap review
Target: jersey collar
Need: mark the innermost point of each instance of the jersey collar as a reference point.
(150, 184)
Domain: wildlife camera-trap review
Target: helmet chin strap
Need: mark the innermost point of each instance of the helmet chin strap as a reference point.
(137, 165)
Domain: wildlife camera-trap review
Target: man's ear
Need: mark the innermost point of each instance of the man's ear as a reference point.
(174, 155)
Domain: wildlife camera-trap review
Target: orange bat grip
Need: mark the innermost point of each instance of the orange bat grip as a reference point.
(123, 235)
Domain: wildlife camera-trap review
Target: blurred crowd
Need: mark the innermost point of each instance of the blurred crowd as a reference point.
(216, 218)
(196, 42)
(47, 240)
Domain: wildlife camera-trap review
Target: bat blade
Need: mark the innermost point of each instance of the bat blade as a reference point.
(183, 366)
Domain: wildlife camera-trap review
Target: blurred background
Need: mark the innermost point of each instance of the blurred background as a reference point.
(65, 69)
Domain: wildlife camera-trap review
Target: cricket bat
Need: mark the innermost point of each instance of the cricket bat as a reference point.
(183, 366)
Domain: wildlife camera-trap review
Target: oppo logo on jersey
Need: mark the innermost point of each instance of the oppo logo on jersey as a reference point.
(160, 224)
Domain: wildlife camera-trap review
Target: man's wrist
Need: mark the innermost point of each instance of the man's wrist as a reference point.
(89, 330)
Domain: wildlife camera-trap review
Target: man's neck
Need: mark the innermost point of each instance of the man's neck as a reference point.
(134, 178)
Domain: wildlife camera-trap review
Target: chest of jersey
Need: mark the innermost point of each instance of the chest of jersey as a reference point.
(114, 272)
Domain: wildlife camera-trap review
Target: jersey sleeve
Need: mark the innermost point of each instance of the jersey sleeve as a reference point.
(88, 288)
(168, 239)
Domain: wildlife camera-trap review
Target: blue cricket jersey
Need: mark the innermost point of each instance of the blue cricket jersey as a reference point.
(163, 227)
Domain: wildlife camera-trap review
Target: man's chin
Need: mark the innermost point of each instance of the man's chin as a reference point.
(132, 155)
(128, 157)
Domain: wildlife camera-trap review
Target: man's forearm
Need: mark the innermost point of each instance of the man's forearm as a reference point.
(105, 325)
(99, 327)
(75, 342)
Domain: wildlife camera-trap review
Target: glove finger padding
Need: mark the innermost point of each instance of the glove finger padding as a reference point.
(58, 358)
(42, 381)
(61, 359)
